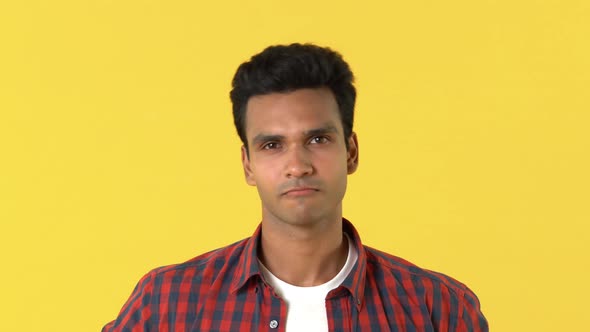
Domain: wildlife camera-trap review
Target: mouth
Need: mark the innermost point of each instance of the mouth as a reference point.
(300, 191)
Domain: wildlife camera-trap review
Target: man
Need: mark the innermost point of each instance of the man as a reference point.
(304, 268)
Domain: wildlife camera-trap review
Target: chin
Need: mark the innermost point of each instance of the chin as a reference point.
(302, 215)
(304, 218)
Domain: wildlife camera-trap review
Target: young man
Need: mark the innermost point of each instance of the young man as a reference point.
(304, 268)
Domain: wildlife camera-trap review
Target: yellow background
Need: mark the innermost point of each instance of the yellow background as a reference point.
(118, 152)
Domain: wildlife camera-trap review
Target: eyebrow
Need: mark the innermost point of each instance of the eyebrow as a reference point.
(323, 130)
(262, 137)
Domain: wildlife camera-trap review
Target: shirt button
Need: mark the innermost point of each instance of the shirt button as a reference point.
(273, 324)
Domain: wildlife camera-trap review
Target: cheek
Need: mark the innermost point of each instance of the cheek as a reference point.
(340, 172)
(265, 174)
(333, 165)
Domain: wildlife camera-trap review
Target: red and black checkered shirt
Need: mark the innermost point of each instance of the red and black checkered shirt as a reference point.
(223, 290)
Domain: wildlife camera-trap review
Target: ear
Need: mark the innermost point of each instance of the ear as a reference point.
(352, 159)
(247, 170)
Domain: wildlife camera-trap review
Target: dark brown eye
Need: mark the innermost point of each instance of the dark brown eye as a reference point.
(319, 140)
(270, 146)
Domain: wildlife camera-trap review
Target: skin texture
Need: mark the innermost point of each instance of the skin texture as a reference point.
(297, 159)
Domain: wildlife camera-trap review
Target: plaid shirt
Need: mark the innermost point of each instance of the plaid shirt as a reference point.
(224, 290)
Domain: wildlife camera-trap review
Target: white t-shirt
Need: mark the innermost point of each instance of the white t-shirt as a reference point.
(306, 306)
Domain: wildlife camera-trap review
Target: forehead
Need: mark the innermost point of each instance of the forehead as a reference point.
(292, 112)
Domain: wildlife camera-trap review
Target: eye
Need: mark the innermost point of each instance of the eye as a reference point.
(270, 146)
(319, 140)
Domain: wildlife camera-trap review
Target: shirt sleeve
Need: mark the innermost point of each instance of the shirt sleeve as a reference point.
(471, 318)
(135, 314)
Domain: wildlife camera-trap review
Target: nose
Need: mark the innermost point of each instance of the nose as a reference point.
(298, 163)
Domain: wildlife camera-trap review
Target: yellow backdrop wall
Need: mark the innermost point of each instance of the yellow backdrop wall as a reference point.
(118, 153)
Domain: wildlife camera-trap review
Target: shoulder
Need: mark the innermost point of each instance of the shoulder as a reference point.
(204, 266)
(448, 301)
(406, 274)
(179, 286)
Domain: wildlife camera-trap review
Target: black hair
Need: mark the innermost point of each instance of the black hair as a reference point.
(284, 68)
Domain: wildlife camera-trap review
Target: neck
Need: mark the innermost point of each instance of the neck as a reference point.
(303, 255)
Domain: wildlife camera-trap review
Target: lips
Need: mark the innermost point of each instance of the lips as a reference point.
(300, 191)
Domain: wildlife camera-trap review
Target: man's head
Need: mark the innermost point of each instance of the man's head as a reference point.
(293, 109)
(285, 68)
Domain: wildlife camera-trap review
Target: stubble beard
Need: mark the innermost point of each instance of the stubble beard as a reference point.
(302, 214)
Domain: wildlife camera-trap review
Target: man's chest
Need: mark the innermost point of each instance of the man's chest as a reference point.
(262, 310)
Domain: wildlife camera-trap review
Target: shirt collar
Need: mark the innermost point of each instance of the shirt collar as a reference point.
(354, 282)
(248, 262)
